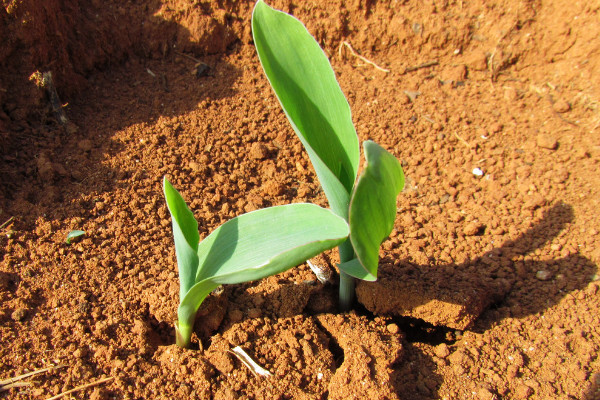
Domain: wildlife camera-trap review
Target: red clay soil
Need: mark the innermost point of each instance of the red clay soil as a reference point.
(489, 283)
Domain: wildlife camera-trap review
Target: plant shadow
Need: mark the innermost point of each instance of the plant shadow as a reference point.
(473, 295)
(455, 295)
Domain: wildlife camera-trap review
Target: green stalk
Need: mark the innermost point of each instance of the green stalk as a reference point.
(346, 293)
(183, 332)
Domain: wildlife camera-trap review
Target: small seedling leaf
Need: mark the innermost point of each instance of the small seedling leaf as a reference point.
(355, 269)
(312, 99)
(186, 236)
(373, 206)
(256, 245)
(73, 234)
(246, 248)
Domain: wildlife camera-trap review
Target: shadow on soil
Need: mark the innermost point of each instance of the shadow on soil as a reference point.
(48, 168)
(500, 282)
(500, 277)
(538, 285)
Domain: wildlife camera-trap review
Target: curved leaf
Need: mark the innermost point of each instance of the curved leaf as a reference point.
(305, 84)
(373, 206)
(268, 241)
(185, 233)
(255, 245)
(355, 269)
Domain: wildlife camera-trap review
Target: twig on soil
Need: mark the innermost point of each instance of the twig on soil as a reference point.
(248, 362)
(188, 56)
(428, 119)
(6, 223)
(78, 388)
(355, 54)
(14, 382)
(420, 66)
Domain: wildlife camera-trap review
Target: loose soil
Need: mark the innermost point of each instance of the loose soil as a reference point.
(489, 283)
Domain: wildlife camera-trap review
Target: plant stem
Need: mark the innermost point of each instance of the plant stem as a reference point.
(183, 333)
(346, 293)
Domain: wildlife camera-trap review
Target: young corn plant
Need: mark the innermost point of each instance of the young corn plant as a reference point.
(305, 84)
(246, 248)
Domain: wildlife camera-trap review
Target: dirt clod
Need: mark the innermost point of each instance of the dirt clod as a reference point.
(546, 141)
(435, 298)
(561, 106)
(258, 151)
(19, 314)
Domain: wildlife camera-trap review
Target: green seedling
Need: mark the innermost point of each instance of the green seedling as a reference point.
(246, 248)
(305, 84)
(74, 234)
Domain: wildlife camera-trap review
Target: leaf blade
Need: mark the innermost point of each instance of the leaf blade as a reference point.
(185, 235)
(305, 85)
(268, 241)
(256, 245)
(373, 205)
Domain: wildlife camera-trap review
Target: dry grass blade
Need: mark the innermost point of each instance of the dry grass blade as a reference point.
(14, 385)
(420, 66)
(6, 222)
(78, 388)
(249, 362)
(14, 382)
(363, 59)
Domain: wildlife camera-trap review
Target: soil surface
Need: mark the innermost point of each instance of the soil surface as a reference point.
(489, 283)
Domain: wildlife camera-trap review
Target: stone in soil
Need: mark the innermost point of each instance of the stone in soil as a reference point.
(546, 141)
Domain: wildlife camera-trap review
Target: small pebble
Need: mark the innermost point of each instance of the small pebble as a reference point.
(442, 350)
(561, 106)
(543, 275)
(258, 151)
(85, 145)
(235, 315)
(477, 172)
(546, 142)
(485, 394)
(523, 392)
(254, 313)
(495, 127)
(19, 314)
(393, 329)
(473, 228)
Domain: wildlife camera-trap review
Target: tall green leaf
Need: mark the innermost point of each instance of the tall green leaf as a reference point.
(373, 208)
(185, 233)
(312, 99)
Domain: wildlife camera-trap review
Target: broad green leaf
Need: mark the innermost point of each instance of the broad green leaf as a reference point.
(259, 244)
(305, 84)
(268, 241)
(373, 206)
(185, 233)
